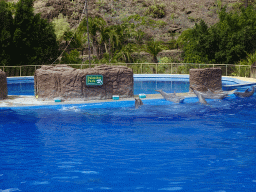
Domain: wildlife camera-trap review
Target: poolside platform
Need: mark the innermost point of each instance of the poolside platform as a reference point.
(19, 101)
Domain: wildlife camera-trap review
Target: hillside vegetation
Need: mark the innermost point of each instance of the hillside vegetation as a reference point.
(132, 30)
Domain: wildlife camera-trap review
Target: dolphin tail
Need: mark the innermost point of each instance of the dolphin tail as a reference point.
(202, 99)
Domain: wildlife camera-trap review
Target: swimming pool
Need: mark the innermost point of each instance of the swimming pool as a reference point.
(114, 147)
(142, 84)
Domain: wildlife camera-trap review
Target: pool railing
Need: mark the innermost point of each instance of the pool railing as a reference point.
(142, 68)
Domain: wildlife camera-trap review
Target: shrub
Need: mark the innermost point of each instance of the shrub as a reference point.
(156, 11)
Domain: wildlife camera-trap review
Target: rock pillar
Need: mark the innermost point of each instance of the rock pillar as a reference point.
(204, 79)
(101, 82)
(3, 85)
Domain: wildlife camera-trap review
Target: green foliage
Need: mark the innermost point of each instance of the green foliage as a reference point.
(11, 7)
(61, 26)
(72, 58)
(125, 54)
(117, 42)
(139, 21)
(249, 60)
(227, 41)
(34, 39)
(6, 33)
(153, 48)
(156, 11)
(164, 60)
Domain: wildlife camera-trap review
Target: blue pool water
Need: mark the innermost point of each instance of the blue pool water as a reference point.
(114, 147)
(142, 84)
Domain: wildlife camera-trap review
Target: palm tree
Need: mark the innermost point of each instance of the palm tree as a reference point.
(96, 25)
(114, 39)
(153, 48)
(126, 53)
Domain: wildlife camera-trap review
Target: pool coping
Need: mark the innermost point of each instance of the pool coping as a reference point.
(23, 101)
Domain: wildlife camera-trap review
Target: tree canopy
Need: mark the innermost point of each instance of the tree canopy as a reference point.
(228, 41)
(27, 39)
(6, 33)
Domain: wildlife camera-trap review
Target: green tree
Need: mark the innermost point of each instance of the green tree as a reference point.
(95, 26)
(228, 41)
(125, 54)
(6, 34)
(34, 38)
(61, 26)
(153, 48)
(71, 58)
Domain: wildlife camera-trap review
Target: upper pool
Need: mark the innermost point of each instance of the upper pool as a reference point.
(142, 84)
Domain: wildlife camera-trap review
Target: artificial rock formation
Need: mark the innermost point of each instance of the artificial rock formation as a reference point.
(69, 83)
(253, 70)
(204, 79)
(3, 85)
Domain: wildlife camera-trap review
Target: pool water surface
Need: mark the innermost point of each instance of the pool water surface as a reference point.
(144, 84)
(114, 147)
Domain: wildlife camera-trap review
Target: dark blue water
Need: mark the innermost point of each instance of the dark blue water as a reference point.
(115, 147)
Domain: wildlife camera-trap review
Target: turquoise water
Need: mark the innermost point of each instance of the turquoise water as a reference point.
(114, 147)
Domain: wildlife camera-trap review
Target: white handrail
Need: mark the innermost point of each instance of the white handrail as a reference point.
(141, 66)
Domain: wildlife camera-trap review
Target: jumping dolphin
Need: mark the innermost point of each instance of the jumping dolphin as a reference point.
(138, 103)
(200, 96)
(226, 92)
(213, 95)
(171, 97)
(247, 93)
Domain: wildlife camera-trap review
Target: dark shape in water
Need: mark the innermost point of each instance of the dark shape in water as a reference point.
(247, 93)
(138, 103)
(171, 96)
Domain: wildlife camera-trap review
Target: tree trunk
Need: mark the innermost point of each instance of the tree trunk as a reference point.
(246, 3)
(95, 49)
(155, 61)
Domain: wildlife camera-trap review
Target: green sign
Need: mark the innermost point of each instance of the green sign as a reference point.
(94, 80)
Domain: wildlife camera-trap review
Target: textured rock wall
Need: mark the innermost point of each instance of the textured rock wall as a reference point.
(3, 85)
(253, 70)
(204, 79)
(69, 83)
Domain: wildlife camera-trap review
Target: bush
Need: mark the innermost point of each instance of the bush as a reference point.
(156, 11)
(72, 58)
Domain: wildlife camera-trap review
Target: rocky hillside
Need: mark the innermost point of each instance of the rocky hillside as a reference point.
(177, 14)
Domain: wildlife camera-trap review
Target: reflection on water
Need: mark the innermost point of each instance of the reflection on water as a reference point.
(159, 147)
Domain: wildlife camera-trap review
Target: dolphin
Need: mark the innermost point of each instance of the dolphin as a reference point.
(212, 95)
(226, 92)
(247, 93)
(171, 96)
(200, 96)
(138, 103)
